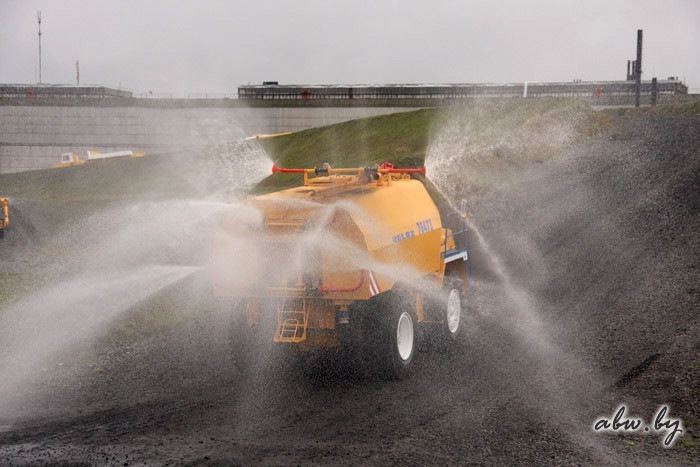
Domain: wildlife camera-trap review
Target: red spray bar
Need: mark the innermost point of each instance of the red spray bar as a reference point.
(327, 170)
(276, 169)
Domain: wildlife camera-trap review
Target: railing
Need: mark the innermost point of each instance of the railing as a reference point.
(457, 91)
(458, 231)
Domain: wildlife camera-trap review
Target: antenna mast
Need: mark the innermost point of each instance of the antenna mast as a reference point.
(38, 18)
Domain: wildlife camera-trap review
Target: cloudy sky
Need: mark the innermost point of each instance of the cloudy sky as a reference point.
(201, 46)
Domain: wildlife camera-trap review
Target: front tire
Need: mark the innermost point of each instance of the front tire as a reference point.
(452, 318)
(448, 309)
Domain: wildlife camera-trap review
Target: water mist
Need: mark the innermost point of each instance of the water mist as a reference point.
(464, 161)
(111, 261)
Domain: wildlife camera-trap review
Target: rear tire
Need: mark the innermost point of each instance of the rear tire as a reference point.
(241, 336)
(401, 335)
(252, 345)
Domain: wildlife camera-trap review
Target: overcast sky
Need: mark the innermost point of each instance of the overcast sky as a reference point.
(212, 46)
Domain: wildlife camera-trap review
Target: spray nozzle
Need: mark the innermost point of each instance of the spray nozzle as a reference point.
(324, 170)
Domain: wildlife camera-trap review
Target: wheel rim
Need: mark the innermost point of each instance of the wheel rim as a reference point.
(404, 336)
(454, 311)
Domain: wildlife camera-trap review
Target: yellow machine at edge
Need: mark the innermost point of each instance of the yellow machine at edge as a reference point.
(4, 215)
(358, 255)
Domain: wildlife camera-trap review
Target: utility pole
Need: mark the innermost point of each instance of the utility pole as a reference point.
(38, 18)
(638, 69)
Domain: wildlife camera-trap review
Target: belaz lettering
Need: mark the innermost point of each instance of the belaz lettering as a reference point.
(422, 227)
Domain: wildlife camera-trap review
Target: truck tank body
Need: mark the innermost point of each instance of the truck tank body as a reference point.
(340, 239)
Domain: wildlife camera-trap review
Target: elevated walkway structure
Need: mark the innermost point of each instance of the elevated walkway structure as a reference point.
(597, 91)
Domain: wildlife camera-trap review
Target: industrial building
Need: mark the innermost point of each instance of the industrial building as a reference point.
(597, 90)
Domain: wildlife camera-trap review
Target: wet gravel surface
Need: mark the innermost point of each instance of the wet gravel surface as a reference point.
(585, 296)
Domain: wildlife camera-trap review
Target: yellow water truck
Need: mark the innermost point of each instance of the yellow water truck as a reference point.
(4, 215)
(354, 258)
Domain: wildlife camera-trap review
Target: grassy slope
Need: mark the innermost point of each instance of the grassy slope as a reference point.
(502, 128)
(65, 194)
(398, 138)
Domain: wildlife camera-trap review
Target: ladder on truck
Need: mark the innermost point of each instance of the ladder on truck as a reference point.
(292, 321)
(456, 222)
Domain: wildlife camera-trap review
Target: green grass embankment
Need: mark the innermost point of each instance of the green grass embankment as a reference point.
(400, 138)
(500, 132)
(63, 195)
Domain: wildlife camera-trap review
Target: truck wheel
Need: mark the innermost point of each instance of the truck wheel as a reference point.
(248, 344)
(240, 338)
(453, 308)
(401, 335)
(449, 310)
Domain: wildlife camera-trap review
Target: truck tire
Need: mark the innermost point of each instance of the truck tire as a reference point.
(448, 309)
(452, 309)
(247, 343)
(401, 334)
(239, 336)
